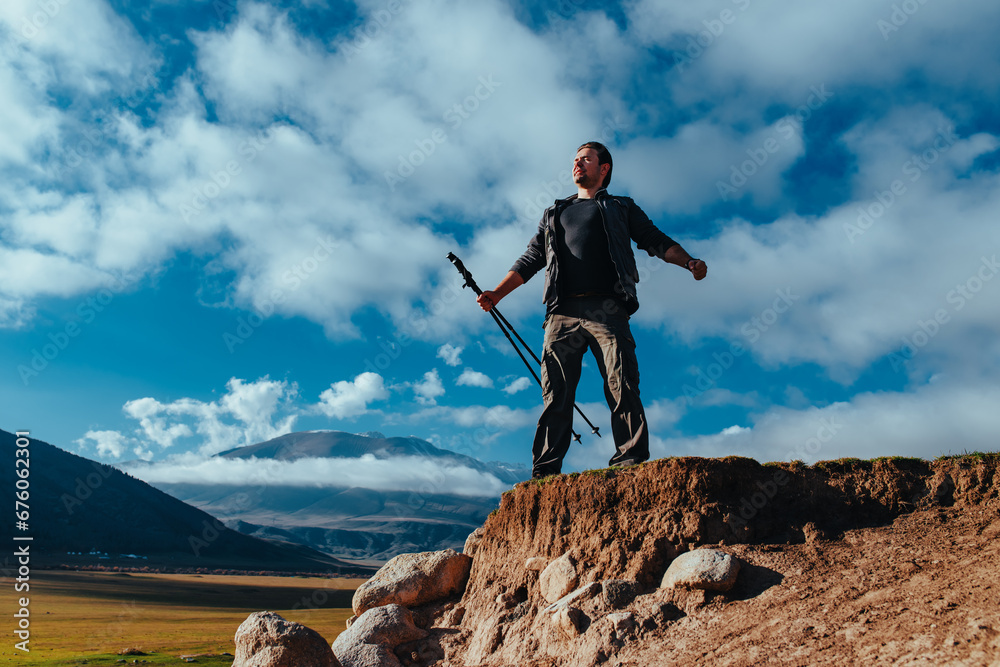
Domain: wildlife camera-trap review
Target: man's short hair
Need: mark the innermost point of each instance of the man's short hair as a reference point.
(603, 157)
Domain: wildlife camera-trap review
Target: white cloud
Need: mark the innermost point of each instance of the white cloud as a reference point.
(352, 118)
(29, 273)
(299, 213)
(244, 415)
(192, 181)
(473, 378)
(417, 474)
(347, 400)
(15, 313)
(705, 162)
(153, 417)
(487, 423)
(941, 418)
(109, 444)
(776, 48)
(803, 289)
(429, 389)
(451, 354)
(83, 44)
(663, 414)
(518, 385)
(722, 396)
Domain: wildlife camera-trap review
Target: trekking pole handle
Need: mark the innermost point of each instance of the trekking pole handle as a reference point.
(469, 280)
(501, 321)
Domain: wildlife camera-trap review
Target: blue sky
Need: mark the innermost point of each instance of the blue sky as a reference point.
(224, 221)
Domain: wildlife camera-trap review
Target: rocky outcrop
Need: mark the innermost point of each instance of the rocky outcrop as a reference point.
(371, 639)
(414, 579)
(633, 566)
(265, 639)
(471, 541)
(706, 569)
(569, 570)
(558, 578)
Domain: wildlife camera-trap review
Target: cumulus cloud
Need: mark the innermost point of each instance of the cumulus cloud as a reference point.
(473, 378)
(518, 385)
(346, 400)
(249, 412)
(498, 417)
(234, 177)
(801, 289)
(429, 389)
(941, 418)
(418, 474)
(845, 221)
(707, 161)
(109, 444)
(451, 354)
(663, 414)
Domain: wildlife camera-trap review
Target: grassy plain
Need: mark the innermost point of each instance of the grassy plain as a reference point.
(87, 618)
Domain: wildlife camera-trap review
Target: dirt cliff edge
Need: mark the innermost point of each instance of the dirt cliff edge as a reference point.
(891, 560)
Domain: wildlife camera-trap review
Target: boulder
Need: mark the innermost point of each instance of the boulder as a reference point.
(474, 538)
(619, 593)
(414, 579)
(558, 578)
(370, 655)
(536, 563)
(705, 569)
(265, 639)
(622, 623)
(570, 621)
(372, 637)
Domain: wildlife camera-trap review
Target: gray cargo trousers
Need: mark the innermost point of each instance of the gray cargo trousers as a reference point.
(602, 326)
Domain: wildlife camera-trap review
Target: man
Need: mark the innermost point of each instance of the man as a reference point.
(584, 243)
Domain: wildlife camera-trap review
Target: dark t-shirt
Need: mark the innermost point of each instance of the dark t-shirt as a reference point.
(585, 264)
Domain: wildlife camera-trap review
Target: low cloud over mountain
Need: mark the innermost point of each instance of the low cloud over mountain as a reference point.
(358, 496)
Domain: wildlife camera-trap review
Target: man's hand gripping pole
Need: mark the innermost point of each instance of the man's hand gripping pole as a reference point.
(507, 329)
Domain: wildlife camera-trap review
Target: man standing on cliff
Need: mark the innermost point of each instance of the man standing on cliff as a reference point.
(584, 243)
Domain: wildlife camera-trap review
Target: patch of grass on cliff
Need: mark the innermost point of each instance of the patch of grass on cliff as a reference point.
(739, 459)
(898, 459)
(840, 464)
(602, 472)
(539, 481)
(976, 456)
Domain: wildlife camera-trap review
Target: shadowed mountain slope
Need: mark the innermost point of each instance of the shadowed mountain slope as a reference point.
(343, 520)
(81, 506)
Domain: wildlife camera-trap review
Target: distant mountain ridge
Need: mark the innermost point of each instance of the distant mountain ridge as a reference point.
(339, 444)
(347, 521)
(81, 506)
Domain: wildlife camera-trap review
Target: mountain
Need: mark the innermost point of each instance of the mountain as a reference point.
(337, 444)
(81, 512)
(345, 521)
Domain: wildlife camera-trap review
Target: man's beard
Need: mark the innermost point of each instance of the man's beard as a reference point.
(586, 182)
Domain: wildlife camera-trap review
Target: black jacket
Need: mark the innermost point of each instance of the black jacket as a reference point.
(624, 222)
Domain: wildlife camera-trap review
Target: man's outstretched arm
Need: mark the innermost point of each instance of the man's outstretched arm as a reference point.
(675, 254)
(490, 298)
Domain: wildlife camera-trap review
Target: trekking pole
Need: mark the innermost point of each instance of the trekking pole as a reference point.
(504, 326)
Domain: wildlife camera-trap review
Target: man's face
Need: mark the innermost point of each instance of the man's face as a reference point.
(587, 173)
